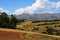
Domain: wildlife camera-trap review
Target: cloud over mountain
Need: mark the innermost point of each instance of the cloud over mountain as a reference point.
(40, 6)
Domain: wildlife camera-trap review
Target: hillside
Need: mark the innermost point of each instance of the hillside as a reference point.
(42, 16)
(32, 30)
(40, 27)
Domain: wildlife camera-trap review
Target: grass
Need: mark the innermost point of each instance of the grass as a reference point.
(31, 31)
(41, 24)
(10, 34)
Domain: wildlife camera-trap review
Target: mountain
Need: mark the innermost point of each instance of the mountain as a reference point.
(44, 16)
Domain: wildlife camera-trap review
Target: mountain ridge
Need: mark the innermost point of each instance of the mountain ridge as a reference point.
(44, 16)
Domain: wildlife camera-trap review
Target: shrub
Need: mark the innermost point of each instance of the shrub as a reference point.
(58, 33)
(50, 31)
(44, 32)
(35, 29)
(58, 25)
(55, 26)
(47, 26)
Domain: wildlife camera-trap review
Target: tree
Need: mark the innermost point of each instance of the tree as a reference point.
(4, 19)
(9, 22)
(13, 21)
(0, 21)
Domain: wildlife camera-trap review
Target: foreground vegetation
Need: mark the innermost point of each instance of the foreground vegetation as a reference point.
(9, 22)
(52, 31)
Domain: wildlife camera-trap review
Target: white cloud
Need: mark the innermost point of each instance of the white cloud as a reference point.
(4, 10)
(58, 4)
(40, 6)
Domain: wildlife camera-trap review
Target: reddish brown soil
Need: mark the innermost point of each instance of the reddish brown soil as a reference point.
(10, 34)
(5, 35)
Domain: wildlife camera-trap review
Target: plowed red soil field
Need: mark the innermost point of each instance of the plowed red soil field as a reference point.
(11, 34)
(5, 35)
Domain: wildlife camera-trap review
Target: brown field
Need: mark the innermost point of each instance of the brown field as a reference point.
(29, 26)
(27, 31)
(10, 34)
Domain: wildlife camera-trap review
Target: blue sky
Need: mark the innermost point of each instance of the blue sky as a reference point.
(54, 0)
(8, 4)
(14, 6)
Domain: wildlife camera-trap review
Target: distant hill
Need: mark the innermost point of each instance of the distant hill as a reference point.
(45, 16)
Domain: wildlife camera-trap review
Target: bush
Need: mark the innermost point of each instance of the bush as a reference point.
(50, 31)
(55, 26)
(44, 32)
(58, 33)
(35, 29)
(47, 26)
(58, 25)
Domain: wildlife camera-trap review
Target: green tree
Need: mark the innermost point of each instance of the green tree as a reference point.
(13, 21)
(4, 19)
(9, 22)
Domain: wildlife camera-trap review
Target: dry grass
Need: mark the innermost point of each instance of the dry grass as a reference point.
(28, 25)
(10, 34)
(28, 33)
